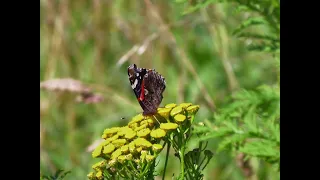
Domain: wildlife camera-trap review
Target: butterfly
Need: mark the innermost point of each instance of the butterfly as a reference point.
(148, 86)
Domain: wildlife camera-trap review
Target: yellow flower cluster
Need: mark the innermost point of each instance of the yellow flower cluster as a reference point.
(136, 145)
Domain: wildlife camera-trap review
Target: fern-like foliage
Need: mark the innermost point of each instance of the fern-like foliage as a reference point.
(250, 124)
(264, 13)
(59, 175)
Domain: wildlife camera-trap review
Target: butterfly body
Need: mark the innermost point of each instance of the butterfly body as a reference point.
(148, 86)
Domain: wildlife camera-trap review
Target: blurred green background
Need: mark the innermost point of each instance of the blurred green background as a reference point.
(95, 41)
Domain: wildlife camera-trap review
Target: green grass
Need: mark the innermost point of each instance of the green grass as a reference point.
(85, 40)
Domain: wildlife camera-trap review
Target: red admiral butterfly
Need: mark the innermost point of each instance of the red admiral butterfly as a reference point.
(148, 86)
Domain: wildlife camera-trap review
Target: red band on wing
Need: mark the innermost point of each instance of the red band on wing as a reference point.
(141, 98)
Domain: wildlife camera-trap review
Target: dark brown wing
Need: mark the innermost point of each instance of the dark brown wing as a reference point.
(135, 77)
(154, 86)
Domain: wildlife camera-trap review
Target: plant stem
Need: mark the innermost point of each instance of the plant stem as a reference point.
(182, 161)
(167, 157)
(150, 167)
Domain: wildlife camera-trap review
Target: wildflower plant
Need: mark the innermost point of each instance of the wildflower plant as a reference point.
(130, 152)
(59, 174)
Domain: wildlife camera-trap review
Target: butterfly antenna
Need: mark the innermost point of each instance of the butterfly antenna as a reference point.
(156, 118)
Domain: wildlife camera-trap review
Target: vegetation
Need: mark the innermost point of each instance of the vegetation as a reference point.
(131, 151)
(220, 55)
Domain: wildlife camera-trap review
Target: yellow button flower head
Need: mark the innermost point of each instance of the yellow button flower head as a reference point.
(112, 162)
(125, 149)
(143, 155)
(141, 127)
(97, 151)
(128, 157)
(171, 105)
(185, 105)
(91, 176)
(143, 132)
(116, 154)
(99, 165)
(168, 126)
(104, 143)
(136, 119)
(130, 134)
(164, 112)
(133, 125)
(132, 146)
(148, 121)
(179, 118)
(99, 175)
(139, 141)
(158, 133)
(121, 159)
(110, 132)
(176, 110)
(138, 149)
(157, 147)
(108, 149)
(150, 158)
(122, 131)
(119, 142)
(112, 138)
(193, 109)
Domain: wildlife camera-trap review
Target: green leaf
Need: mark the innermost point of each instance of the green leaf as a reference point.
(275, 132)
(240, 8)
(58, 172)
(252, 21)
(223, 131)
(45, 177)
(236, 138)
(258, 36)
(232, 126)
(250, 120)
(201, 129)
(246, 95)
(64, 174)
(263, 47)
(261, 148)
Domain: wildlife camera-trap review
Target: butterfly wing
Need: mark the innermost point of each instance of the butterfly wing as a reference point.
(148, 86)
(153, 87)
(136, 78)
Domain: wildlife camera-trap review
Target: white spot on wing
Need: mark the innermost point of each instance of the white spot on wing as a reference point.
(134, 84)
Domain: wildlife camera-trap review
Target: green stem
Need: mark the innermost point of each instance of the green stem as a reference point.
(189, 165)
(149, 176)
(200, 149)
(146, 169)
(167, 157)
(182, 161)
(130, 172)
(108, 175)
